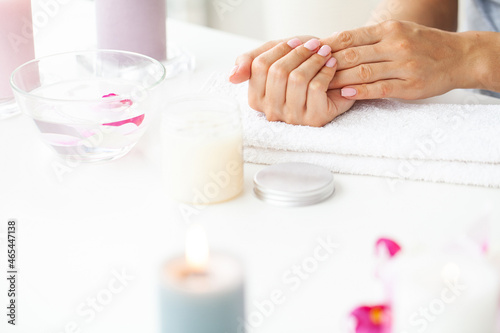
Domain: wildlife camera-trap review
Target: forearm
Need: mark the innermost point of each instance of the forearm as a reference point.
(440, 14)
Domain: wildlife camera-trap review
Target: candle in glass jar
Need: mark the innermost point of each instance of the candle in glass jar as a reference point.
(439, 293)
(201, 292)
(16, 40)
(132, 25)
(202, 150)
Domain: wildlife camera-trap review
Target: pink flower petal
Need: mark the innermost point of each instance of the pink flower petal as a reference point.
(372, 319)
(127, 102)
(116, 104)
(109, 95)
(126, 129)
(136, 120)
(391, 246)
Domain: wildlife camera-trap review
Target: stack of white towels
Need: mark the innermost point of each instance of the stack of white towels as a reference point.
(457, 144)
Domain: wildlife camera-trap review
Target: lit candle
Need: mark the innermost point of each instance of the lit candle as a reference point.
(202, 292)
(436, 292)
(132, 25)
(16, 41)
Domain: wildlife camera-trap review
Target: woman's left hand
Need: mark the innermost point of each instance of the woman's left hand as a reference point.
(402, 60)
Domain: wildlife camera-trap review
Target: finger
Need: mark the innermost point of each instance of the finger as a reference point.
(241, 72)
(320, 109)
(242, 69)
(260, 69)
(365, 73)
(355, 56)
(281, 70)
(394, 88)
(357, 37)
(299, 80)
(290, 63)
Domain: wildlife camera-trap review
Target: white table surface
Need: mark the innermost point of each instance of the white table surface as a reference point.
(115, 216)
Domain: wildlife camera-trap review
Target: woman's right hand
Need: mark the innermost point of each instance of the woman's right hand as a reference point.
(241, 72)
(289, 83)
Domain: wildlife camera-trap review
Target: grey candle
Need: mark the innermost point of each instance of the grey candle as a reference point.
(202, 293)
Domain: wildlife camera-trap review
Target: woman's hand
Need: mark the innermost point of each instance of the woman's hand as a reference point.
(241, 71)
(399, 59)
(403, 60)
(290, 82)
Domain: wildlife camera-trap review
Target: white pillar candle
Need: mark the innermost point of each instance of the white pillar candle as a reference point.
(201, 293)
(16, 40)
(434, 292)
(202, 150)
(132, 25)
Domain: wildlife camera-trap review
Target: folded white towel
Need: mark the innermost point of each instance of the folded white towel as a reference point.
(433, 142)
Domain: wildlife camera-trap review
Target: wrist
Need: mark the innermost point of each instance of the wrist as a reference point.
(477, 68)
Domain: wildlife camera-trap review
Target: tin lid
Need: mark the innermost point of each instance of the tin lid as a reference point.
(294, 184)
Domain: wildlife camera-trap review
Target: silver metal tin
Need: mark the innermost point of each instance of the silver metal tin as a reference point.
(294, 184)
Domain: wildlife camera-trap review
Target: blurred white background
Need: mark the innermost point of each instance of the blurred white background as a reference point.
(270, 19)
(259, 19)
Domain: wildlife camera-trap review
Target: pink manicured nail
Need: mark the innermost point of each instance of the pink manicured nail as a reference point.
(312, 45)
(293, 43)
(348, 92)
(331, 62)
(234, 70)
(325, 50)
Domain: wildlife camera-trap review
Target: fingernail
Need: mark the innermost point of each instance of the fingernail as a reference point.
(348, 92)
(312, 45)
(325, 50)
(234, 70)
(331, 62)
(293, 43)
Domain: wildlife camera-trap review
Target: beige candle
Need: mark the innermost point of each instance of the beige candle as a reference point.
(202, 151)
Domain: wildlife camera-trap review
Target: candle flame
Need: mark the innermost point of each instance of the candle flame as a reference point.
(197, 253)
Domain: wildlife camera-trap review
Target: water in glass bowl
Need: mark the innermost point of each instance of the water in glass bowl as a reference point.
(90, 120)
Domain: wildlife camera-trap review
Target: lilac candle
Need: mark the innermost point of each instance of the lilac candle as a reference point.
(132, 25)
(16, 41)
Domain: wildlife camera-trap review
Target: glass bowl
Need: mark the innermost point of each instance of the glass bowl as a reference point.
(91, 105)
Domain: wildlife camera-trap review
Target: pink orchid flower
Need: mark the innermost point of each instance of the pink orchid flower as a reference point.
(389, 245)
(376, 318)
(372, 319)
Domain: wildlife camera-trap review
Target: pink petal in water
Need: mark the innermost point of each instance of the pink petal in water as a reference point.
(136, 120)
(109, 95)
(127, 102)
(126, 129)
(124, 102)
